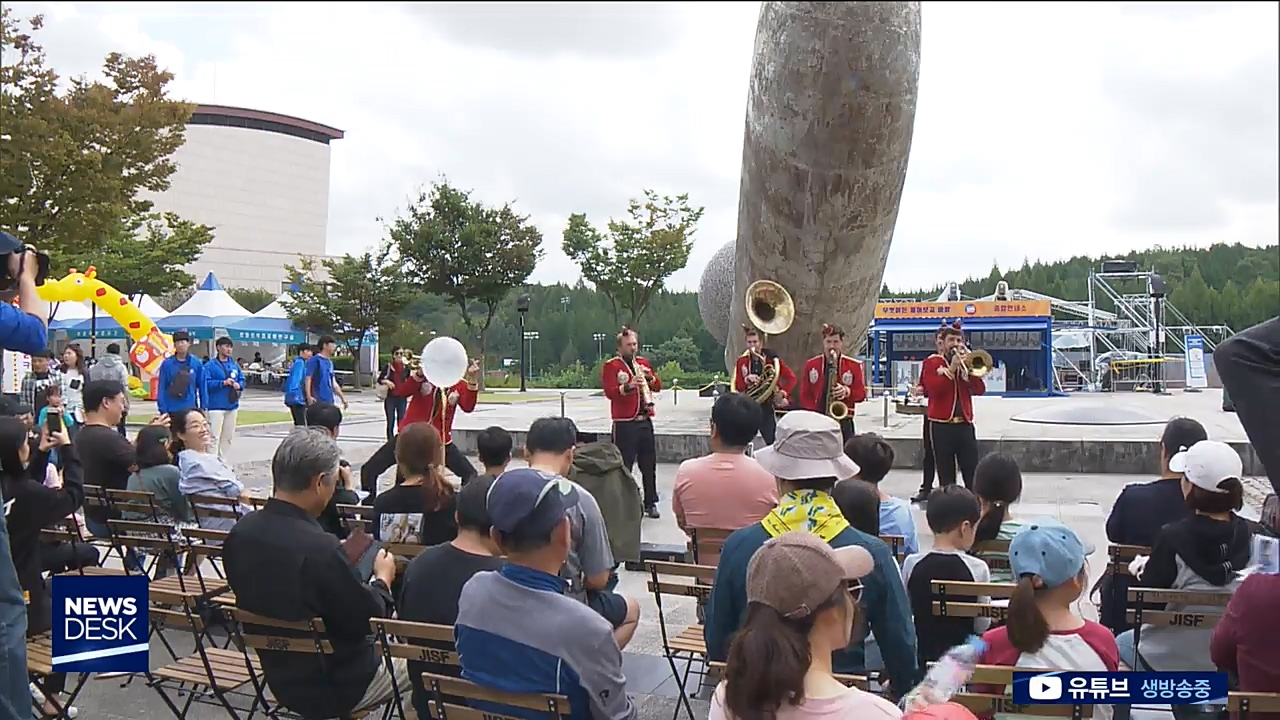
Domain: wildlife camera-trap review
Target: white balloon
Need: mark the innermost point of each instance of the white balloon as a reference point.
(444, 361)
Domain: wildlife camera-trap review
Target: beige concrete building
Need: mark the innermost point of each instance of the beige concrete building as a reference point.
(261, 180)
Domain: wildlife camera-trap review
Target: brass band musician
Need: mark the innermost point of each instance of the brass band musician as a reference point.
(832, 383)
(762, 375)
(630, 383)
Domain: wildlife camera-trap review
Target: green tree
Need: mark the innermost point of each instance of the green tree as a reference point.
(74, 163)
(361, 294)
(254, 299)
(679, 350)
(470, 254)
(630, 263)
(144, 255)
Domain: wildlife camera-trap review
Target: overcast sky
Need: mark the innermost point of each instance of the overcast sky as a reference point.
(1043, 130)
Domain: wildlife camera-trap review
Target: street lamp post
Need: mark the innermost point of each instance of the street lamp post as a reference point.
(529, 337)
(599, 338)
(522, 307)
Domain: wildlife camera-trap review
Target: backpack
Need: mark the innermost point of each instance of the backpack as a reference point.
(181, 383)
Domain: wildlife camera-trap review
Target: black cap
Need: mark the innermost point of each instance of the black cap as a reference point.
(182, 335)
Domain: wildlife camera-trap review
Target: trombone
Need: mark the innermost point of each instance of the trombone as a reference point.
(977, 362)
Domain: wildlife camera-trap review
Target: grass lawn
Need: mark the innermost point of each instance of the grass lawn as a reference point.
(261, 417)
(511, 398)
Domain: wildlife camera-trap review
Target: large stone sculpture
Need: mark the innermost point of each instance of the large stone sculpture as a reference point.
(829, 121)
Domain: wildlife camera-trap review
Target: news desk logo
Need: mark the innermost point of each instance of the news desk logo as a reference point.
(1119, 688)
(100, 623)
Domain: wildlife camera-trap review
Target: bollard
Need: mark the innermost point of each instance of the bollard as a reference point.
(562, 394)
(886, 408)
(675, 391)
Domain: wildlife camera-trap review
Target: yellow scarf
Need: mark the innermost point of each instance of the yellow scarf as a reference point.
(807, 510)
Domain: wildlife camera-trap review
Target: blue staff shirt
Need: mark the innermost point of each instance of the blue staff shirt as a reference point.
(218, 396)
(21, 331)
(320, 370)
(169, 369)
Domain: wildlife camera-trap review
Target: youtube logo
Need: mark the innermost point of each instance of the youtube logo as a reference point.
(1045, 687)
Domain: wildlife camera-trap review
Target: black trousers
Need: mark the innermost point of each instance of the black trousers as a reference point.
(768, 423)
(384, 458)
(954, 444)
(635, 440)
(299, 413)
(926, 483)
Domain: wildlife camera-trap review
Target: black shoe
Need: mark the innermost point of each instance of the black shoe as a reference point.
(651, 511)
(920, 498)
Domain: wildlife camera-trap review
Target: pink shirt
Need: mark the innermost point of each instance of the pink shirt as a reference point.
(853, 704)
(724, 491)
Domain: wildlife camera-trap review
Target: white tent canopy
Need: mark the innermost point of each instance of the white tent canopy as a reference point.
(150, 307)
(210, 301)
(275, 310)
(65, 311)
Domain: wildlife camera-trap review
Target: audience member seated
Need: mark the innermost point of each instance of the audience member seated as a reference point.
(282, 565)
(517, 631)
(859, 502)
(807, 457)
(874, 457)
(1246, 641)
(328, 417)
(597, 468)
(494, 445)
(108, 458)
(61, 556)
(29, 507)
(1140, 511)
(1204, 552)
(550, 446)
(725, 490)
(434, 579)
(952, 513)
(421, 509)
(1042, 629)
(158, 475)
(997, 481)
(802, 606)
(201, 471)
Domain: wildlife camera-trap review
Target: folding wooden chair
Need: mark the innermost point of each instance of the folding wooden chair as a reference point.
(1119, 557)
(209, 675)
(715, 671)
(40, 667)
(208, 509)
(136, 505)
(706, 544)
(257, 633)
(356, 516)
(995, 553)
(1243, 703)
(68, 531)
(1137, 614)
(689, 646)
(414, 642)
(441, 687)
(897, 545)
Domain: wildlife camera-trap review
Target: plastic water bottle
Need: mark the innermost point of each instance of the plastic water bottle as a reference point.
(947, 676)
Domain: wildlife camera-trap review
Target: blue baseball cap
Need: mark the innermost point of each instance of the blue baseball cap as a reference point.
(1049, 549)
(528, 501)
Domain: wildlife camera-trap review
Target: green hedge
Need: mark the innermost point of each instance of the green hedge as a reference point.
(575, 376)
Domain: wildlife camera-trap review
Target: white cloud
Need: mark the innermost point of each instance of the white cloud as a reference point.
(1043, 130)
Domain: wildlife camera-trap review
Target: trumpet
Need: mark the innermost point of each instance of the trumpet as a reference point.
(977, 362)
(837, 410)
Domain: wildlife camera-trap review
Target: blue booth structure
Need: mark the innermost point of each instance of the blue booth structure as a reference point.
(1017, 333)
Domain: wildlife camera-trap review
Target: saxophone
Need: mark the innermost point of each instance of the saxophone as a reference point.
(836, 409)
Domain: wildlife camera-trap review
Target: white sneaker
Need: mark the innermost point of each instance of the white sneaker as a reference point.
(71, 712)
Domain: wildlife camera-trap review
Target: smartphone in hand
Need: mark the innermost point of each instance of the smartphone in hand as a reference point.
(53, 422)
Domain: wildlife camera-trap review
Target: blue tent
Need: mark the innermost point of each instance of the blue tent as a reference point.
(210, 308)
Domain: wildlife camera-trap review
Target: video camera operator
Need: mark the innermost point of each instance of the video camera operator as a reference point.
(22, 268)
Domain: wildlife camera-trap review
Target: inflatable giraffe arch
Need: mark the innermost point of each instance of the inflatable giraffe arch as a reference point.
(150, 346)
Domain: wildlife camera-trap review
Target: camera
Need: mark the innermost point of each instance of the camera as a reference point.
(9, 245)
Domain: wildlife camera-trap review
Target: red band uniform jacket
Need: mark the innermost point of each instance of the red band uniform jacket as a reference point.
(813, 382)
(426, 401)
(742, 368)
(949, 398)
(624, 402)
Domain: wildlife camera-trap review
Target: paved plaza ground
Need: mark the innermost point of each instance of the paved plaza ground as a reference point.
(1080, 500)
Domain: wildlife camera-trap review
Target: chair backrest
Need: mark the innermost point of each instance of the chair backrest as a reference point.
(897, 545)
(955, 598)
(260, 633)
(1244, 703)
(1138, 596)
(397, 637)
(205, 507)
(706, 544)
(986, 704)
(662, 582)
(1119, 557)
(354, 516)
(995, 553)
(134, 504)
(441, 685)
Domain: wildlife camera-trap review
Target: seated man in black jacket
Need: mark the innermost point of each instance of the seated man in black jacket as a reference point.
(282, 565)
